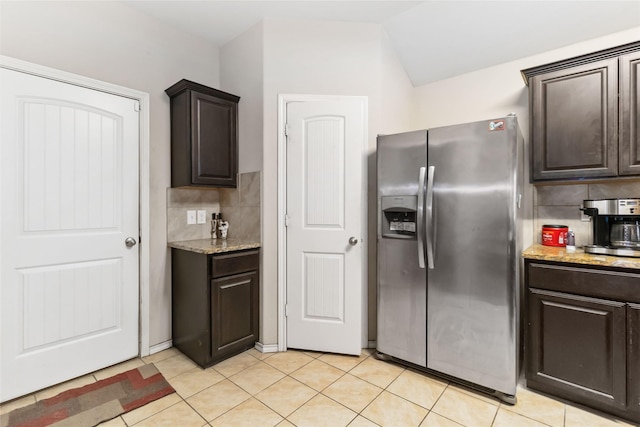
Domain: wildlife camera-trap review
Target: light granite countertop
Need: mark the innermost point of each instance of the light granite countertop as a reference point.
(560, 254)
(210, 246)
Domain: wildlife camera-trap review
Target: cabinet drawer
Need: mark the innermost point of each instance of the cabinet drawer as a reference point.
(606, 284)
(234, 263)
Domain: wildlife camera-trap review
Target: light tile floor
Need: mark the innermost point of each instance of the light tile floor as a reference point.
(298, 388)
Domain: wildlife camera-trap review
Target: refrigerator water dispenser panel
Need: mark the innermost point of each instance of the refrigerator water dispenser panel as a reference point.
(399, 219)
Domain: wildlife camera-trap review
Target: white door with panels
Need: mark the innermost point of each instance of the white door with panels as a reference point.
(69, 289)
(326, 195)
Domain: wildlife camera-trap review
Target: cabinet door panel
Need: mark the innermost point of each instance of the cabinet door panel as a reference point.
(234, 313)
(214, 148)
(629, 112)
(633, 358)
(575, 123)
(577, 347)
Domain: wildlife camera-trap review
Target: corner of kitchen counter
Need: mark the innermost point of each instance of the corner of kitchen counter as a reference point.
(214, 246)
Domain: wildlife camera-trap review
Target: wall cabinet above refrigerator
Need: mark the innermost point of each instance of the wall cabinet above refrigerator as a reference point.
(204, 136)
(584, 116)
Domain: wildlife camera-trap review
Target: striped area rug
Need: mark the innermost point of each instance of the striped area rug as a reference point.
(93, 403)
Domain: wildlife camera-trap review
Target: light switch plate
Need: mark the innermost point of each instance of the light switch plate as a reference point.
(202, 217)
(191, 217)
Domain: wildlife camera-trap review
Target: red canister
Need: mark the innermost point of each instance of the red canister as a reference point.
(554, 235)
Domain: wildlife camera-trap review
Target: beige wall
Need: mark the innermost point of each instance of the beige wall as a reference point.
(327, 58)
(111, 42)
(307, 58)
(241, 73)
(499, 90)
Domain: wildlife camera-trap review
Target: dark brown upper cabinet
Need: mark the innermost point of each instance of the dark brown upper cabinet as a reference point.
(629, 114)
(584, 116)
(204, 136)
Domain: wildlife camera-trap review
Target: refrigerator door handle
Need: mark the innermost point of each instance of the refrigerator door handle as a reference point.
(430, 219)
(420, 219)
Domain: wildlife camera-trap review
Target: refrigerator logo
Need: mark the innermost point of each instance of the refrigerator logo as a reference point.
(498, 125)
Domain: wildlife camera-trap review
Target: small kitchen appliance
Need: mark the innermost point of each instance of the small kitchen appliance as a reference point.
(615, 226)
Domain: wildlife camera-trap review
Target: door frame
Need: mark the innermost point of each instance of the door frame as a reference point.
(283, 99)
(144, 166)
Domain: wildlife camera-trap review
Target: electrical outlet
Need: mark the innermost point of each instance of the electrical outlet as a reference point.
(191, 217)
(583, 216)
(202, 217)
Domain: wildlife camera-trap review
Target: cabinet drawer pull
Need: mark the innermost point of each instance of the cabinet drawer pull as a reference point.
(231, 285)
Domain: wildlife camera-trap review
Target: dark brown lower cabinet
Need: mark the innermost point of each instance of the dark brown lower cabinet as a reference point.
(215, 304)
(633, 365)
(578, 345)
(582, 335)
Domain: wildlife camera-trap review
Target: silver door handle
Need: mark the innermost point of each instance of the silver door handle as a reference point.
(420, 219)
(353, 241)
(130, 242)
(431, 238)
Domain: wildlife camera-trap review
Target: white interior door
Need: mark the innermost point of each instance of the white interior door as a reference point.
(69, 199)
(325, 210)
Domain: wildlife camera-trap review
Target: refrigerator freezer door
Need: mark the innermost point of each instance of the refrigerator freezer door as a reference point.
(402, 293)
(472, 293)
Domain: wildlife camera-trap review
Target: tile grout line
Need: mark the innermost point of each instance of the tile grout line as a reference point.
(506, 408)
(320, 392)
(436, 402)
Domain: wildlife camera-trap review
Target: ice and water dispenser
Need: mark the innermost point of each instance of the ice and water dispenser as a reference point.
(399, 216)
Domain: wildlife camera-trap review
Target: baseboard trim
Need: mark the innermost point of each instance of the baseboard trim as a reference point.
(372, 344)
(159, 347)
(266, 348)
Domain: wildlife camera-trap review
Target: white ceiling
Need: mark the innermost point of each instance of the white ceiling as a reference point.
(433, 39)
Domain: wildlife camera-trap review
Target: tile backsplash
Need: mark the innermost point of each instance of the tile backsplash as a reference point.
(560, 204)
(239, 206)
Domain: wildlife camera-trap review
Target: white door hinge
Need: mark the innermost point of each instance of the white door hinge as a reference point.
(286, 220)
(286, 129)
(136, 106)
(286, 310)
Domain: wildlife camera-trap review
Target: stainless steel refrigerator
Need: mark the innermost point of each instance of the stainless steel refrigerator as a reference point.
(449, 243)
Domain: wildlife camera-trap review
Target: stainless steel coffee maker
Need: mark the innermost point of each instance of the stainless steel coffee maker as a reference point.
(615, 226)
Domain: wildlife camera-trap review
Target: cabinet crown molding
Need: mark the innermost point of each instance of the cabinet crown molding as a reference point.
(185, 84)
(612, 52)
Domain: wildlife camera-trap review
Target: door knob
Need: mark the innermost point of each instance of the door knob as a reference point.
(130, 241)
(353, 241)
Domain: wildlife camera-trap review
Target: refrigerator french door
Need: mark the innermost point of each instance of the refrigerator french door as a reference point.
(467, 236)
